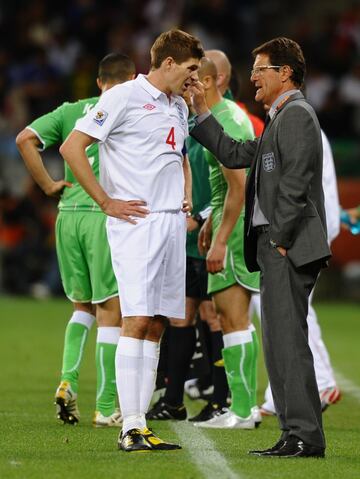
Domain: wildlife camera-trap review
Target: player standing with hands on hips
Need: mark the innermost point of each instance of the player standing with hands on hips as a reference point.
(83, 252)
(284, 234)
(145, 190)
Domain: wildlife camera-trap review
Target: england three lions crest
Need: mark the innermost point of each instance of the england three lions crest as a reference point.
(268, 161)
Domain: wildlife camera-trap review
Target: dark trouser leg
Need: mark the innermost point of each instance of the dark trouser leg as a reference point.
(180, 350)
(284, 295)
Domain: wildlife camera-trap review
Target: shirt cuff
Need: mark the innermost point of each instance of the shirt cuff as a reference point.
(200, 118)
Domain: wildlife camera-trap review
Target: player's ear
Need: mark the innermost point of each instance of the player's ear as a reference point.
(168, 63)
(220, 79)
(99, 83)
(207, 81)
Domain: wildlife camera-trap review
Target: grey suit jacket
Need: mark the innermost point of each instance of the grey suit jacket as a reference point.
(288, 158)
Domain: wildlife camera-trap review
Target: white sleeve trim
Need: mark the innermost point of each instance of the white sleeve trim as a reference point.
(42, 141)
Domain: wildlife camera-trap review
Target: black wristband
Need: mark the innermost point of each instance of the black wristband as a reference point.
(199, 219)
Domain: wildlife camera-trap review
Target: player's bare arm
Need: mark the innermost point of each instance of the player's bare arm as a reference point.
(28, 145)
(205, 235)
(233, 205)
(73, 152)
(187, 203)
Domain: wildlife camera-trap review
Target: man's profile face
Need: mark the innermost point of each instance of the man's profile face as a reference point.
(182, 75)
(266, 80)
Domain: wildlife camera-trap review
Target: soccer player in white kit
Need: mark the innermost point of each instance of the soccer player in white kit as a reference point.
(141, 126)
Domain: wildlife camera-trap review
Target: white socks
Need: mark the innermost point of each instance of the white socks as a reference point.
(80, 317)
(151, 353)
(108, 334)
(236, 338)
(128, 363)
(136, 366)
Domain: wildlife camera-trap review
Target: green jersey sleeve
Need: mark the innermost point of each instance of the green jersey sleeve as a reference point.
(52, 129)
(236, 124)
(48, 128)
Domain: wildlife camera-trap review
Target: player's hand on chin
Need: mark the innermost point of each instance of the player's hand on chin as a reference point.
(125, 210)
(197, 92)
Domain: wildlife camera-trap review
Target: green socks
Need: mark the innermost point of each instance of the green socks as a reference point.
(238, 358)
(106, 343)
(76, 336)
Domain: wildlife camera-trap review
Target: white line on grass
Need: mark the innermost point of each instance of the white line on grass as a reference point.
(348, 386)
(207, 459)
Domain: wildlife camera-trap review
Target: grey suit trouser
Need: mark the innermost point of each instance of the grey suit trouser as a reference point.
(285, 290)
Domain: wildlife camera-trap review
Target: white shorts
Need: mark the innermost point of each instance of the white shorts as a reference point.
(149, 262)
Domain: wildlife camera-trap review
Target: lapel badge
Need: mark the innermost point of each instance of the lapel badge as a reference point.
(268, 161)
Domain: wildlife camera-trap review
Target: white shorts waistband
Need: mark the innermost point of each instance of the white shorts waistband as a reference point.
(174, 211)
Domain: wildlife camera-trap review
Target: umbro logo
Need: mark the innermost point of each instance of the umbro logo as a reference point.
(149, 106)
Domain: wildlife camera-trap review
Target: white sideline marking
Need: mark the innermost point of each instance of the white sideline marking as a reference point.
(348, 386)
(210, 463)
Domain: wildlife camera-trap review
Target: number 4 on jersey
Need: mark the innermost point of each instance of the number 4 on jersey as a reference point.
(170, 140)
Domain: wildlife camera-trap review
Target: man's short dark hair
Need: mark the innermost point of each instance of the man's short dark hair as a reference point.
(179, 45)
(283, 51)
(116, 67)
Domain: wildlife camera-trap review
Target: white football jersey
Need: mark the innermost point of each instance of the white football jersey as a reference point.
(141, 133)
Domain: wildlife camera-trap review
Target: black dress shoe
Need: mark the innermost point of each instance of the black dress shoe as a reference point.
(295, 447)
(266, 452)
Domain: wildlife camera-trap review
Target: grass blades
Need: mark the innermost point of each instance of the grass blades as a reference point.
(33, 445)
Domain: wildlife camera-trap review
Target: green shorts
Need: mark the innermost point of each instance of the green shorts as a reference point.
(235, 271)
(84, 257)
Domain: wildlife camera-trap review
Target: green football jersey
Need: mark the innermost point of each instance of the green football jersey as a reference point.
(201, 193)
(52, 129)
(236, 124)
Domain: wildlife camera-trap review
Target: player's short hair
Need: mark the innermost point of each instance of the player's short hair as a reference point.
(207, 67)
(116, 67)
(179, 45)
(283, 51)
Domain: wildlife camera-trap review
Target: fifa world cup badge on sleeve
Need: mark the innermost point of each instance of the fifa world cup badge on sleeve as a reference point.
(100, 117)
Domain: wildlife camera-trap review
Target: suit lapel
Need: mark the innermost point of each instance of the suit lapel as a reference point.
(286, 100)
(253, 167)
(268, 122)
(253, 173)
(252, 178)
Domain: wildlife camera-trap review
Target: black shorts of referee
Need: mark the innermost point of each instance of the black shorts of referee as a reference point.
(196, 279)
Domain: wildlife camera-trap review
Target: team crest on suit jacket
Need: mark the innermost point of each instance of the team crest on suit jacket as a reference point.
(268, 161)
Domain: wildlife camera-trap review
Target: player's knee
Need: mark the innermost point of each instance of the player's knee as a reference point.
(85, 307)
(156, 328)
(108, 313)
(135, 327)
(182, 323)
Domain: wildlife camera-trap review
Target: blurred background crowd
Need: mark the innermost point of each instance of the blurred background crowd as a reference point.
(49, 53)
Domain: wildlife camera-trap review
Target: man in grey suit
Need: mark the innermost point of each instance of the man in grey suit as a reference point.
(285, 233)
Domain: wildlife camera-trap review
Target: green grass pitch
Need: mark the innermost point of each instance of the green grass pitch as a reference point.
(33, 445)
